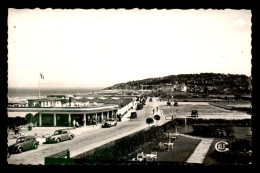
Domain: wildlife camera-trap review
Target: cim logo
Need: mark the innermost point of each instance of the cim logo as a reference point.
(221, 146)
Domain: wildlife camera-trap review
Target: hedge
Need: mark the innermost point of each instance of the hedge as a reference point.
(210, 130)
(191, 121)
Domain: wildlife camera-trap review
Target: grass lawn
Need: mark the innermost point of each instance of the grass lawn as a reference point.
(239, 133)
(182, 150)
(208, 158)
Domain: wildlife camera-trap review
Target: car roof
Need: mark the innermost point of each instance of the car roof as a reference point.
(25, 136)
(61, 130)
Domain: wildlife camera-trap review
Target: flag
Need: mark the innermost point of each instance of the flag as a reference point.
(42, 77)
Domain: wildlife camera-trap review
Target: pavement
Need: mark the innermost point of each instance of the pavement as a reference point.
(200, 152)
(86, 138)
(98, 144)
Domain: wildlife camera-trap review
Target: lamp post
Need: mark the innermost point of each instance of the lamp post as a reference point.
(185, 127)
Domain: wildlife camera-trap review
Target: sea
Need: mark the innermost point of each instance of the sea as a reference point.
(22, 94)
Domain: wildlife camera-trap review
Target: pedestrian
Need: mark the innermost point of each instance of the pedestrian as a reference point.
(157, 108)
(77, 124)
(74, 124)
(119, 117)
(94, 122)
(153, 111)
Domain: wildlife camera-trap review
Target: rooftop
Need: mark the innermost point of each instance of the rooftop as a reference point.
(46, 99)
(90, 109)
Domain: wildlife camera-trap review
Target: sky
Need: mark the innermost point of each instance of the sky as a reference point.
(99, 48)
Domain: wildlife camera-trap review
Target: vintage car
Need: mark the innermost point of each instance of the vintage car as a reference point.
(133, 115)
(23, 144)
(194, 113)
(139, 106)
(60, 135)
(109, 123)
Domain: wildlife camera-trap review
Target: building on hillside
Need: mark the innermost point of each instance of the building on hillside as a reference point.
(147, 87)
(183, 88)
(167, 87)
(180, 87)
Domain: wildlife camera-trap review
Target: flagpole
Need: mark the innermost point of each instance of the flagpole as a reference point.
(39, 86)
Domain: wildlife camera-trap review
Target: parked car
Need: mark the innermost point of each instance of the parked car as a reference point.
(133, 115)
(139, 106)
(23, 144)
(60, 135)
(168, 103)
(194, 113)
(109, 123)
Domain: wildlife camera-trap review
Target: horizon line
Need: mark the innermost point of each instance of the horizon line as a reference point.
(99, 87)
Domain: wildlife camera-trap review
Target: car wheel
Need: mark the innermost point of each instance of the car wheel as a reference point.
(71, 137)
(58, 140)
(19, 150)
(35, 146)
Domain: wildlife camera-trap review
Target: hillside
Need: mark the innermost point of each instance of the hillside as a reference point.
(213, 83)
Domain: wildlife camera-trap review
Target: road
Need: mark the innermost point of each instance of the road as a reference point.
(35, 157)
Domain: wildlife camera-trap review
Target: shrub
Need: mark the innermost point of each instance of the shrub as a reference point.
(211, 130)
(149, 121)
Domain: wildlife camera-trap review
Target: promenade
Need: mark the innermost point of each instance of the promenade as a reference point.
(87, 138)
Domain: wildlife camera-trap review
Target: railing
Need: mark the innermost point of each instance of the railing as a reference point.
(126, 108)
(61, 158)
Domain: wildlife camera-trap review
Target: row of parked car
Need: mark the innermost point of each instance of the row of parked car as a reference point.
(25, 143)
